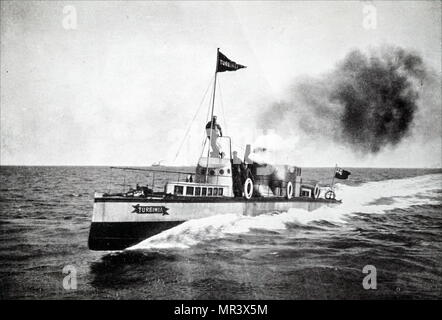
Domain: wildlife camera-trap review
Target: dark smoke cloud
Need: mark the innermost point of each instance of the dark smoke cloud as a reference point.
(367, 102)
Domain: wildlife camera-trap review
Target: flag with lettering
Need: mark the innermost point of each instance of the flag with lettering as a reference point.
(342, 174)
(225, 64)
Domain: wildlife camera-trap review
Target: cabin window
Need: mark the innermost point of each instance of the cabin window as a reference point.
(204, 191)
(203, 170)
(212, 172)
(215, 191)
(221, 171)
(189, 191)
(306, 193)
(220, 191)
(209, 191)
(228, 171)
(198, 191)
(178, 190)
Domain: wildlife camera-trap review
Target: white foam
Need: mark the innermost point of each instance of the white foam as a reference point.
(398, 193)
(190, 232)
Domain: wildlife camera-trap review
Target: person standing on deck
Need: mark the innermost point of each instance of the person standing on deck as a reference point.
(213, 130)
(236, 175)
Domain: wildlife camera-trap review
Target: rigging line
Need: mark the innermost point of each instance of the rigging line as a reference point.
(203, 144)
(208, 110)
(202, 148)
(207, 120)
(222, 105)
(194, 117)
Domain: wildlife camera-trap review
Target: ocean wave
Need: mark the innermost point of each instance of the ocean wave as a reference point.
(369, 198)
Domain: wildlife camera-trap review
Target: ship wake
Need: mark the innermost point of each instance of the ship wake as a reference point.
(369, 198)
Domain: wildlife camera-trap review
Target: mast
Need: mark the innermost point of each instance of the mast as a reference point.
(333, 179)
(211, 114)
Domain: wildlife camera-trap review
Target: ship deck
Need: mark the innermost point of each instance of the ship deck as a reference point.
(187, 199)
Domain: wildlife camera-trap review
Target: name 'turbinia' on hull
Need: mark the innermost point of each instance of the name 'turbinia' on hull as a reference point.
(119, 223)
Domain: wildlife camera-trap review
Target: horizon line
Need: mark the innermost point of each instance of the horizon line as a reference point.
(147, 166)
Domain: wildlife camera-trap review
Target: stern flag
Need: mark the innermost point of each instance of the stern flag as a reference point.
(342, 174)
(225, 64)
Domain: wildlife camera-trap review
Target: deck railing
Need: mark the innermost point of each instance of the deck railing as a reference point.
(154, 179)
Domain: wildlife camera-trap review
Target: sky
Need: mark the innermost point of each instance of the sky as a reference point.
(120, 83)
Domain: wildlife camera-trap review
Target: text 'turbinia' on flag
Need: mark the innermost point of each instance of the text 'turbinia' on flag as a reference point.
(225, 64)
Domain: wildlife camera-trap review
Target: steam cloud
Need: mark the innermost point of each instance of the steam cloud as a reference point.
(367, 102)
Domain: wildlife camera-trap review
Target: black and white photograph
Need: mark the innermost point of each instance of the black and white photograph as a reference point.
(232, 152)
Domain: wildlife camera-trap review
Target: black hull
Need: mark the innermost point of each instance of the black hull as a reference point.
(114, 227)
(124, 234)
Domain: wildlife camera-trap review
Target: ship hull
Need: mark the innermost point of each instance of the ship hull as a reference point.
(121, 235)
(118, 223)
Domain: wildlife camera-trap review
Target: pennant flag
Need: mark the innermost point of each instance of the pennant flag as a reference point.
(342, 174)
(225, 64)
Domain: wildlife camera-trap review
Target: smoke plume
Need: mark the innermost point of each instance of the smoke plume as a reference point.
(367, 102)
